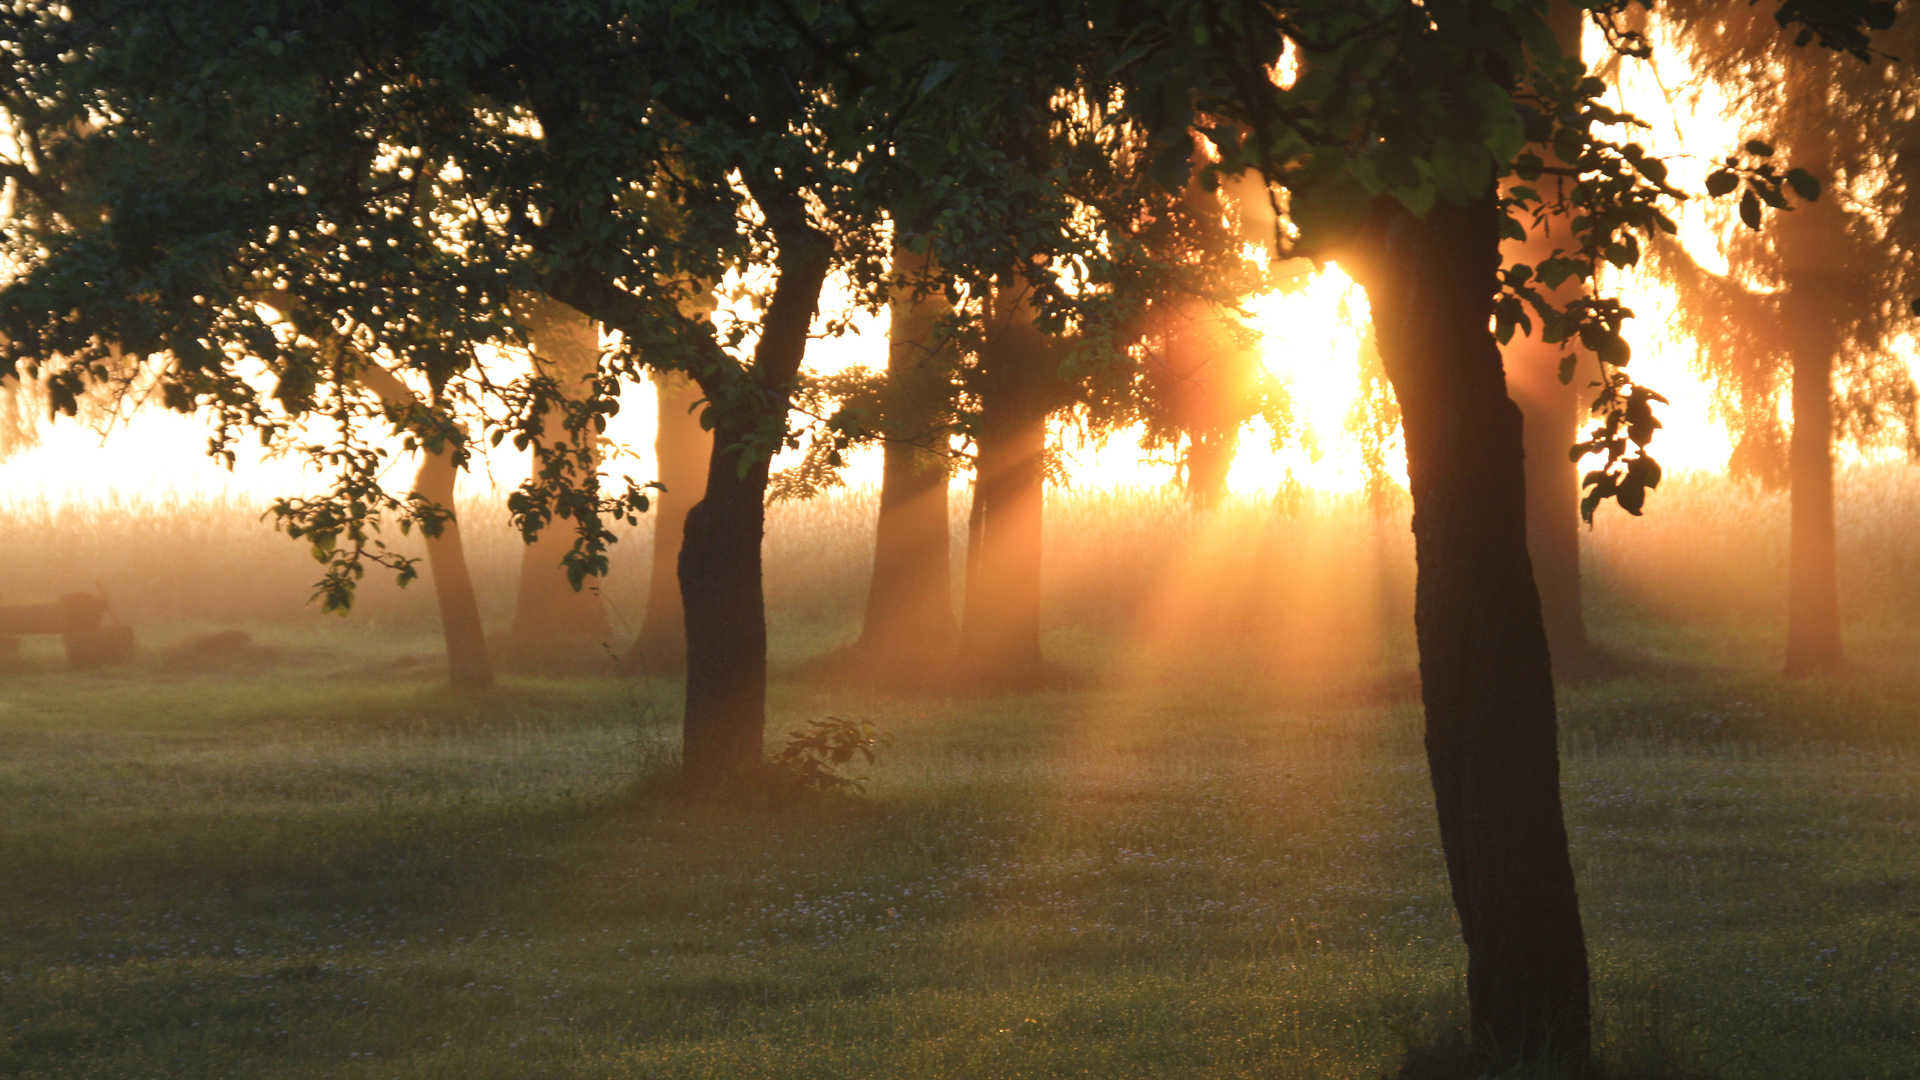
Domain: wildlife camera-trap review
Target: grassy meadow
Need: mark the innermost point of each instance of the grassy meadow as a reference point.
(1208, 851)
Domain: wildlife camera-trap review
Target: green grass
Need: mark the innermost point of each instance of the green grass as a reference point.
(337, 873)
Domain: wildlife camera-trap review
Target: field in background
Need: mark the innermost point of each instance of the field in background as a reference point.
(1315, 583)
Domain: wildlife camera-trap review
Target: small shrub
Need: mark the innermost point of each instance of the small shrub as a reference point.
(816, 755)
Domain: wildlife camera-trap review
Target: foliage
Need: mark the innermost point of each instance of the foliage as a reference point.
(1828, 278)
(815, 754)
(410, 172)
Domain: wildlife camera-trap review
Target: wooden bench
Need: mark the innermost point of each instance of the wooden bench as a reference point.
(79, 619)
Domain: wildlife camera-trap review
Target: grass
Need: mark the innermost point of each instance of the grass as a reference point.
(338, 869)
(298, 874)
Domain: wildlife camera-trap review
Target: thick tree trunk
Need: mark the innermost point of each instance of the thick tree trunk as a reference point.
(1486, 677)
(726, 617)
(681, 448)
(555, 625)
(468, 666)
(1553, 412)
(1813, 591)
(910, 597)
(1000, 619)
(726, 705)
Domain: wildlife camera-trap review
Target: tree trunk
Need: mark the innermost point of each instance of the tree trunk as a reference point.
(1209, 458)
(726, 706)
(1813, 591)
(1486, 677)
(1553, 412)
(910, 598)
(726, 616)
(468, 666)
(1000, 620)
(556, 626)
(681, 448)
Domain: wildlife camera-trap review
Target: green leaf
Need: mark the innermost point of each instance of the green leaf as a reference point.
(1758, 148)
(1750, 210)
(1803, 184)
(1721, 182)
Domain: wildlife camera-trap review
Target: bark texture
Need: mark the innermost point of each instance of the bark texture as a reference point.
(910, 597)
(1486, 677)
(682, 449)
(1000, 619)
(720, 583)
(556, 626)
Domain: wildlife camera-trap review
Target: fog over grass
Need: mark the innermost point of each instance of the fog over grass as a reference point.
(1208, 851)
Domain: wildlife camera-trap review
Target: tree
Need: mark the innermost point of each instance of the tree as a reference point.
(557, 625)
(1016, 388)
(469, 665)
(1836, 274)
(1387, 149)
(909, 614)
(1201, 377)
(96, 353)
(682, 448)
(1552, 406)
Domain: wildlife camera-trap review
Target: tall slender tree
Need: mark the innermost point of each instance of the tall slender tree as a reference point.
(1812, 310)
(682, 449)
(556, 624)
(909, 614)
(1552, 404)
(1017, 387)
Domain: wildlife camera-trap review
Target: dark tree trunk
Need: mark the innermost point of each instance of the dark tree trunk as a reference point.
(1552, 411)
(1000, 618)
(726, 618)
(556, 626)
(682, 448)
(1485, 674)
(726, 623)
(910, 597)
(1813, 591)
